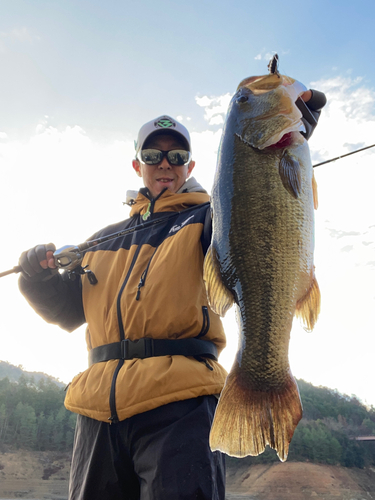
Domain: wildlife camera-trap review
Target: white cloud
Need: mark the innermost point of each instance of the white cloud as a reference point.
(21, 34)
(346, 124)
(215, 108)
(181, 118)
(3, 136)
(266, 55)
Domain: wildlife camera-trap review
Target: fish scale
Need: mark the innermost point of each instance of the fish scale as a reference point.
(261, 258)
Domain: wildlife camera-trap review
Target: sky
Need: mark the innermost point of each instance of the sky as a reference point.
(78, 80)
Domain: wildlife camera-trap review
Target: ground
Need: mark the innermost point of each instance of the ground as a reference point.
(29, 475)
(300, 481)
(44, 476)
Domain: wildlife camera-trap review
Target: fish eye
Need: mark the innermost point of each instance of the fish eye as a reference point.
(242, 98)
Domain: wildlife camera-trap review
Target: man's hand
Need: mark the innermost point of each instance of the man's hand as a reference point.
(310, 103)
(38, 263)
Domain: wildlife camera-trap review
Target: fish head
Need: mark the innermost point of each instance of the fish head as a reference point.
(264, 110)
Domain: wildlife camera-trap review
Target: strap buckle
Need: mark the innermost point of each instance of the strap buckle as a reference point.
(142, 348)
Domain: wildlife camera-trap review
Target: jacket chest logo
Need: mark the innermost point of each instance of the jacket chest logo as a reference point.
(176, 227)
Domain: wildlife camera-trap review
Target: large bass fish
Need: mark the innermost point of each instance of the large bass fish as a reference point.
(261, 258)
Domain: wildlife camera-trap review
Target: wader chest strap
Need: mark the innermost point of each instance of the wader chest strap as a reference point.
(146, 348)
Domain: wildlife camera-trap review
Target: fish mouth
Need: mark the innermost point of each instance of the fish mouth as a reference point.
(286, 140)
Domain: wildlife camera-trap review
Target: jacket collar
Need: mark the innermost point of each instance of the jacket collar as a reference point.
(167, 201)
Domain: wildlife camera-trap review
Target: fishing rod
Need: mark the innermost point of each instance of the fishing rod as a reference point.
(69, 257)
(343, 156)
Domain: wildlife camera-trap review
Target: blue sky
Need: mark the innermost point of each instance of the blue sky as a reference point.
(80, 77)
(111, 65)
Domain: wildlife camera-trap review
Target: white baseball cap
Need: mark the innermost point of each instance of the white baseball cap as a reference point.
(162, 125)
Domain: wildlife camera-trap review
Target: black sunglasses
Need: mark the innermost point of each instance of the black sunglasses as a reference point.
(177, 157)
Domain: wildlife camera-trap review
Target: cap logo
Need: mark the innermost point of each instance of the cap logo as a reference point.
(164, 123)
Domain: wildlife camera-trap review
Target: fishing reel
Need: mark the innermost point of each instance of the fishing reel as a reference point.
(69, 258)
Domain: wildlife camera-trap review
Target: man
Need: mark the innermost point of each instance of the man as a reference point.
(147, 400)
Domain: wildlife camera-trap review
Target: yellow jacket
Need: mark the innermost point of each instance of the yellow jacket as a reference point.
(150, 284)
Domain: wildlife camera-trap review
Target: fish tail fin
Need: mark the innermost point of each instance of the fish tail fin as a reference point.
(219, 298)
(308, 307)
(246, 420)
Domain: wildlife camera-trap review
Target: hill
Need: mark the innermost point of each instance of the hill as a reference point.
(13, 373)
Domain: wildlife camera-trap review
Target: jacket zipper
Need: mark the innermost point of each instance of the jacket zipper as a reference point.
(151, 206)
(142, 281)
(112, 397)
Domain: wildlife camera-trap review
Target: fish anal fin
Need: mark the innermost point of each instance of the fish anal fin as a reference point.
(219, 297)
(315, 191)
(290, 174)
(246, 420)
(308, 307)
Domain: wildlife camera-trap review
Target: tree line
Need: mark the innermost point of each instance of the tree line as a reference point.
(33, 416)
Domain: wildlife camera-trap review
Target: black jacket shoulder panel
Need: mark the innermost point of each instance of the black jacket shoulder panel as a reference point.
(153, 231)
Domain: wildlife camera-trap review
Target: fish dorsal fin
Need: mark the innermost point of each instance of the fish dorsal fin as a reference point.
(315, 191)
(308, 307)
(219, 298)
(290, 174)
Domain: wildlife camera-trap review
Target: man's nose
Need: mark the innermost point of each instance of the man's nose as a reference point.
(164, 164)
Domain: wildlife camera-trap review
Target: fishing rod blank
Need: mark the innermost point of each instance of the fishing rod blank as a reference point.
(343, 156)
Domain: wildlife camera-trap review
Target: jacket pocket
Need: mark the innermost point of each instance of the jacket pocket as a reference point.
(142, 281)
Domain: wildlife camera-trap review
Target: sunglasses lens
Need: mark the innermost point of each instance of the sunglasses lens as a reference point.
(151, 156)
(178, 157)
(175, 156)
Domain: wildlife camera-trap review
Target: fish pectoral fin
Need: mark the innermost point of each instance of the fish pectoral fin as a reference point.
(315, 191)
(290, 174)
(219, 297)
(308, 307)
(246, 420)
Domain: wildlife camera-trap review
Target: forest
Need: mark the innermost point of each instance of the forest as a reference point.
(32, 413)
(33, 417)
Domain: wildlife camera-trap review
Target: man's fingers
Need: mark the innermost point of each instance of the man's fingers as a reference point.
(44, 254)
(37, 259)
(306, 96)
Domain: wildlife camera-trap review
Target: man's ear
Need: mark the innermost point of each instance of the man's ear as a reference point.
(190, 168)
(137, 167)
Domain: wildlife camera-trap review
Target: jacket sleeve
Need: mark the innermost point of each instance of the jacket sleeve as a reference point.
(57, 301)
